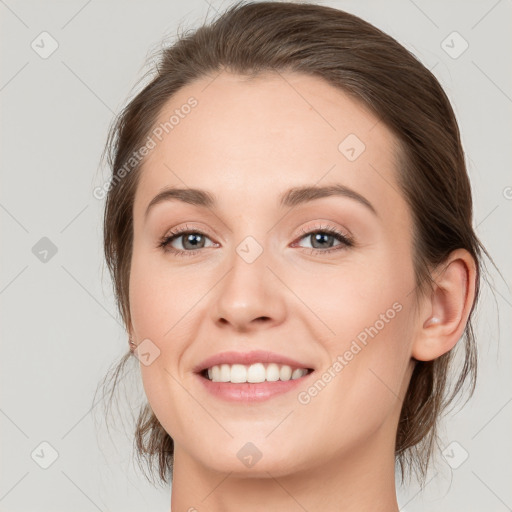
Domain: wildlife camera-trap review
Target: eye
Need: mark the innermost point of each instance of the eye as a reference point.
(323, 237)
(191, 240)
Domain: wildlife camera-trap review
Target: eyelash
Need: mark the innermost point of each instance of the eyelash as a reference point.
(347, 241)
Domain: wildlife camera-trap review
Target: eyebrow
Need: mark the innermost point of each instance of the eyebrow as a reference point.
(291, 198)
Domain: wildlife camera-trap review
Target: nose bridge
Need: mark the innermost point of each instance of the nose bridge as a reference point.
(249, 290)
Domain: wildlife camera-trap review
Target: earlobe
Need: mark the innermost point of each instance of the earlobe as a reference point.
(445, 313)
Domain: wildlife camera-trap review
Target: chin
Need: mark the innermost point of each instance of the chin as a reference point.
(249, 459)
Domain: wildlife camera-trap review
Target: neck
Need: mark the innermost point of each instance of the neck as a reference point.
(360, 481)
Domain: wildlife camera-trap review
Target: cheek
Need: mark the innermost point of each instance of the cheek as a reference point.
(159, 305)
(369, 313)
(356, 295)
(157, 299)
(367, 373)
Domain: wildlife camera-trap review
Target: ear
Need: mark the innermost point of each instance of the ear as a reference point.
(443, 316)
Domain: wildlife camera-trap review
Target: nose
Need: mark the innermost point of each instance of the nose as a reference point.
(249, 297)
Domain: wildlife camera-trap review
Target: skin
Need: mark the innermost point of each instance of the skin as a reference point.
(247, 142)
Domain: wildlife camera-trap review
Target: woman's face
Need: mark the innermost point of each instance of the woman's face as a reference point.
(258, 271)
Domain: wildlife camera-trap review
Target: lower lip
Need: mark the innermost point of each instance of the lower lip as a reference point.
(251, 391)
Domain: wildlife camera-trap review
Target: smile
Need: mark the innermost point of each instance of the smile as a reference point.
(254, 373)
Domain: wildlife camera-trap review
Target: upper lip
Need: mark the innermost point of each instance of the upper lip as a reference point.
(247, 358)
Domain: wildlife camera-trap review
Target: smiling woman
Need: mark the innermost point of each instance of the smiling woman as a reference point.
(294, 261)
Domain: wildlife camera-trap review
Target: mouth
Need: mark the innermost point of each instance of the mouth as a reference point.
(254, 373)
(251, 377)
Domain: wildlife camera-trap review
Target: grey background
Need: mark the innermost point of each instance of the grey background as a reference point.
(60, 330)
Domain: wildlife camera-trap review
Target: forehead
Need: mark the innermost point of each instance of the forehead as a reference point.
(248, 140)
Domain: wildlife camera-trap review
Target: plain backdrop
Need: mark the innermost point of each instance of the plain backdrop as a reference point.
(60, 330)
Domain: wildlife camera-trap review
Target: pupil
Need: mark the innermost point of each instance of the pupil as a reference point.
(318, 238)
(190, 239)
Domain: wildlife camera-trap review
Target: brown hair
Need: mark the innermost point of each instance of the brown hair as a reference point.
(373, 68)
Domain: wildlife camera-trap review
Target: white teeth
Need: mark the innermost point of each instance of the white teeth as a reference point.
(273, 372)
(238, 373)
(285, 372)
(297, 373)
(225, 373)
(257, 372)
